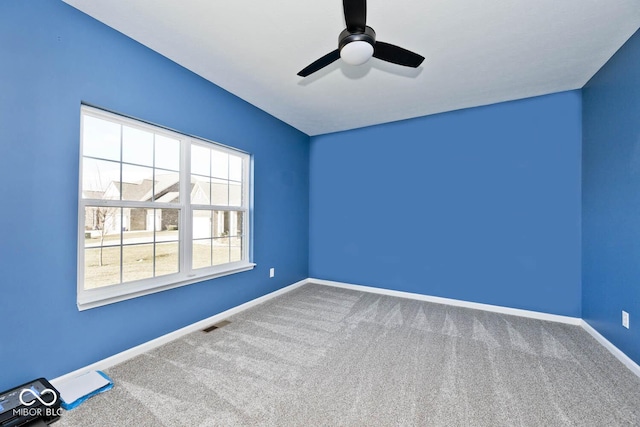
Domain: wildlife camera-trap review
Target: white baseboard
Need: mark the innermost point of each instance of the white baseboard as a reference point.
(626, 360)
(454, 302)
(150, 345)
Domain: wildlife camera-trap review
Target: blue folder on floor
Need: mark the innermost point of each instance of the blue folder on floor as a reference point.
(76, 390)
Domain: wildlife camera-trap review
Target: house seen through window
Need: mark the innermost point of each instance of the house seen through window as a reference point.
(158, 209)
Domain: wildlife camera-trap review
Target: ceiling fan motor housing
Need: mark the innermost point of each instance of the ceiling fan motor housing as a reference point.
(346, 37)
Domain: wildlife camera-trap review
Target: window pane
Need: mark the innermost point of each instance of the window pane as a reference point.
(101, 267)
(219, 164)
(220, 251)
(200, 160)
(235, 244)
(220, 224)
(235, 193)
(137, 146)
(167, 187)
(236, 223)
(200, 190)
(100, 179)
(102, 226)
(137, 262)
(219, 192)
(167, 245)
(100, 138)
(167, 224)
(201, 224)
(235, 168)
(137, 183)
(167, 258)
(167, 153)
(201, 253)
(137, 225)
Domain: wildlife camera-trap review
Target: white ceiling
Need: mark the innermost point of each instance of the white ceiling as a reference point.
(477, 52)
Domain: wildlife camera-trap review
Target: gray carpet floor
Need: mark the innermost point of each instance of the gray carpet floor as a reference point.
(322, 356)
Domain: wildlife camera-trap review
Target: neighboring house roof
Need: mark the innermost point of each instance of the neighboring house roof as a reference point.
(169, 197)
(90, 194)
(204, 192)
(134, 191)
(163, 184)
(166, 189)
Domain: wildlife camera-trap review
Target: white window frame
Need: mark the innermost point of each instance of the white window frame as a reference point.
(90, 298)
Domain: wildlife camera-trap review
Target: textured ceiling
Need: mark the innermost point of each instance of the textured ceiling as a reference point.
(477, 52)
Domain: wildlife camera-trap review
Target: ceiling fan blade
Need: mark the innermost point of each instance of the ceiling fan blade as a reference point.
(397, 55)
(355, 14)
(320, 63)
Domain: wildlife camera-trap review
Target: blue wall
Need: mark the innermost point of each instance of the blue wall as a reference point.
(611, 199)
(53, 58)
(480, 205)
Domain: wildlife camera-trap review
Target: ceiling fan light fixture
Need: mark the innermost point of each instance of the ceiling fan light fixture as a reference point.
(357, 52)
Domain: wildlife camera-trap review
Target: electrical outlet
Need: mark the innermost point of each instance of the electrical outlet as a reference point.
(272, 272)
(625, 319)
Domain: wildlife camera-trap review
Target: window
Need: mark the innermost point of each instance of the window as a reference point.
(157, 209)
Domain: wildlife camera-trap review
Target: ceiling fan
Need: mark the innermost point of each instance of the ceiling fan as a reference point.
(357, 43)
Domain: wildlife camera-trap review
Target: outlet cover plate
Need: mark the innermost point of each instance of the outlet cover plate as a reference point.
(625, 319)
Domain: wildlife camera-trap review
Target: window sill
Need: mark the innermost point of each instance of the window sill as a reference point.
(111, 294)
